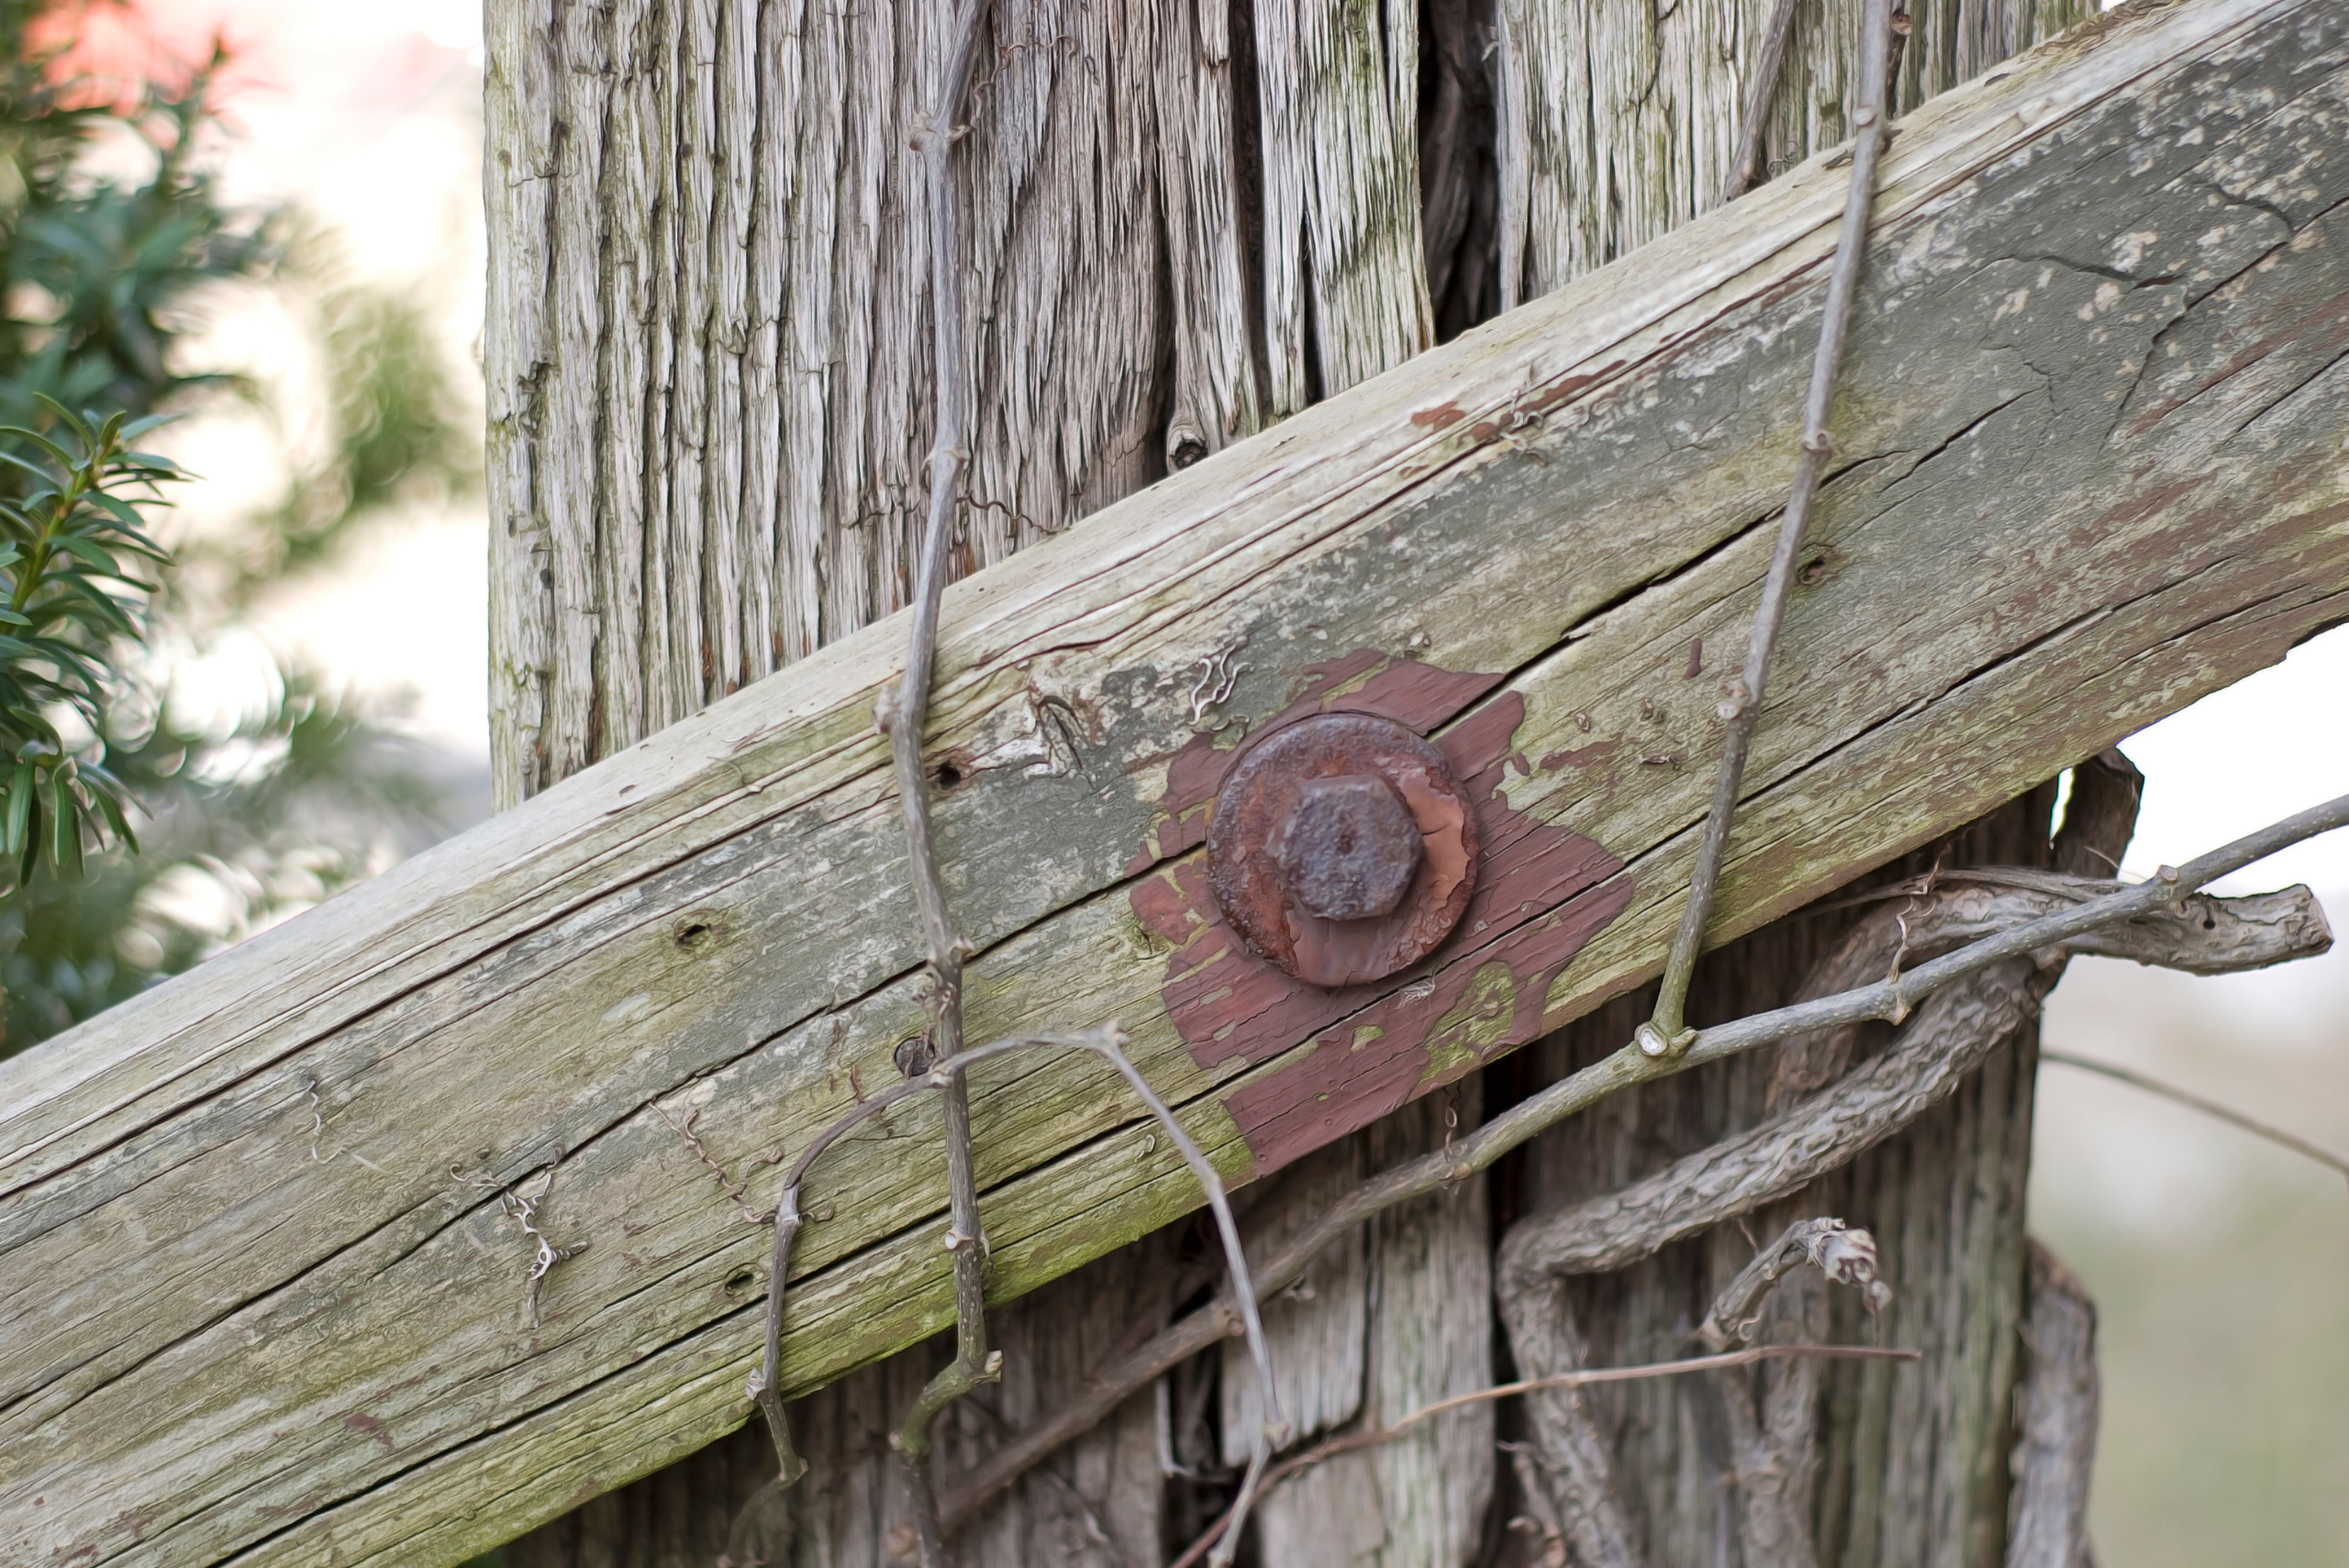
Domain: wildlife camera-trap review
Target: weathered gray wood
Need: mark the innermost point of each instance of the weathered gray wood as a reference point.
(1339, 177)
(2055, 1420)
(1898, 1446)
(1855, 1466)
(1345, 293)
(1619, 122)
(1431, 1339)
(334, 1357)
(707, 366)
(1382, 1325)
(708, 389)
(1096, 1505)
(1315, 1330)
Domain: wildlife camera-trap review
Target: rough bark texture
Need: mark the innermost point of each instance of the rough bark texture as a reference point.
(708, 377)
(1620, 121)
(707, 362)
(2055, 1420)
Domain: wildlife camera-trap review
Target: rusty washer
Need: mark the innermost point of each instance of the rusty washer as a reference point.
(1342, 850)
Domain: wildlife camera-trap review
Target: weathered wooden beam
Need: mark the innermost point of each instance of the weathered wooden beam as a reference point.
(258, 1303)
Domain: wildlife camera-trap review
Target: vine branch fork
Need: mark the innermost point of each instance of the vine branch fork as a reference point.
(1665, 1034)
(2151, 921)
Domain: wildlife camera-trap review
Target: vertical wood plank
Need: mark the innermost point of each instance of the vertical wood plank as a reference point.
(1314, 1331)
(2055, 1420)
(708, 354)
(1619, 120)
(1385, 1323)
(1344, 274)
(1097, 1503)
(707, 435)
(1216, 397)
(1430, 1338)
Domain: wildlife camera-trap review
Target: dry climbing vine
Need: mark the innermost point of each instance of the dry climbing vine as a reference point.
(1741, 706)
(2078, 919)
(2071, 914)
(903, 716)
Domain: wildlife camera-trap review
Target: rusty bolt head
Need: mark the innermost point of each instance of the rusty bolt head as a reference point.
(1341, 849)
(1347, 848)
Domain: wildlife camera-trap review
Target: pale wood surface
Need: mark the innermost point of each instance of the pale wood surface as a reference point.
(2057, 1402)
(1310, 106)
(2042, 540)
(1394, 1318)
(1619, 122)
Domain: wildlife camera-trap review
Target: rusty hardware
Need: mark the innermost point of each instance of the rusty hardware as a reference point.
(1347, 848)
(1342, 850)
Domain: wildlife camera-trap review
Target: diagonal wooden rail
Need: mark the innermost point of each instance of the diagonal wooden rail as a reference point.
(260, 1300)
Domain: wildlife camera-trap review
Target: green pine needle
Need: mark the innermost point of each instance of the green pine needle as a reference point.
(68, 552)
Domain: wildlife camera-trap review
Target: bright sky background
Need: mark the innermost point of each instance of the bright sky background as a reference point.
(368, 113)
(368, 116)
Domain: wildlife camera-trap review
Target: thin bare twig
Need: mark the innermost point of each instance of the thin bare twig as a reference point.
(1665, 1034)
(1477, 1150)
(1579, 1378)
(1946, 1036)
(1758, 99)
(1108, 1042)
(1835, 1249)
(905, 719)
(2193, 1101)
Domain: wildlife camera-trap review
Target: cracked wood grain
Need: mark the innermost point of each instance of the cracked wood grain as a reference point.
(1622, 122)
(2039, 544)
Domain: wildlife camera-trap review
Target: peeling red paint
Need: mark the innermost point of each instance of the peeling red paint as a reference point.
(1581, 757)
(1438, 416)
(1543, 893)
(368, 1425)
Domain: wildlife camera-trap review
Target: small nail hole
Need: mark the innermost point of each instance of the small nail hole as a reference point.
(740, 1280)
(949, 776)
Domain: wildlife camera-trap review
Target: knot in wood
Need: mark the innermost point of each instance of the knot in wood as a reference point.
(1348, 847)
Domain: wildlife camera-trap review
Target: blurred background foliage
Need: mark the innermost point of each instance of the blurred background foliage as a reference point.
(116, 245)
(2219, 1263)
